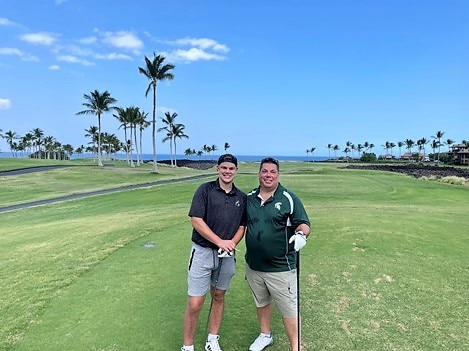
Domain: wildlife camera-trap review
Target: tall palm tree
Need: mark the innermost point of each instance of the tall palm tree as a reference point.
(178, 133)
(10, 136)
(37, 141)
(226, 147)
(155, 71)
(168, 122)
(359, 149)
(400, 144)
(449, 142)
(121, 116)
(329, 147)
(421, 145)
(92, 132)
(213, 148)
(439, 134)
(142, 125)
(97, 104)
(336, 148)
(409, 145)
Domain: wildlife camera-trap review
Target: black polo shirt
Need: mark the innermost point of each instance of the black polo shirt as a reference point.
(223, 212)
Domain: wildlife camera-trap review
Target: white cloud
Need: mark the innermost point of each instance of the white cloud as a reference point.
(123, 40)
(54, 67)
(195, 54)
(203, 43)
(74, 59)
(5, 104)
(17, 52)
(113, 56)
(41, 38)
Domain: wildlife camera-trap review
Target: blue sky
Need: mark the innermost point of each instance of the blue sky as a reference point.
(268, 77)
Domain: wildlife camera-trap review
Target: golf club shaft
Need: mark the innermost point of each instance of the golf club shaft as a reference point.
(220, 261)
(298, 297)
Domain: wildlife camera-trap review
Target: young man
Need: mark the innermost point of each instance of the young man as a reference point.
(218, 217)
(278, 225)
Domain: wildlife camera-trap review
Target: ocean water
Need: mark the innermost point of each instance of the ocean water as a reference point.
(161, 157)
(241, 158)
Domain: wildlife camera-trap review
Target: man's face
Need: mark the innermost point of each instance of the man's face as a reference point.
(226, 171)
(268, 176)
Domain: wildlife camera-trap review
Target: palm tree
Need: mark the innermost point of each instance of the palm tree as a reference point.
(312, 150)
(189, 152)
(226, 147)
(449, 142)
(121, 116)
(421, 145)
(169, 124)
(213, 149)
(439, 134)
(329, 147)
(92, 132)
(142, 125)
(10, 136)
(336, 148)
(178, 133)
(366, 146)
(409, 145)
(155, 71)
(400, 144)
(359, 149)
(38, 134)
(346, 151)
(434, 145)
(96, 104)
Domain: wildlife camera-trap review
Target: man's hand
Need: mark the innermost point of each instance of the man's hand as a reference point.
(299, 239)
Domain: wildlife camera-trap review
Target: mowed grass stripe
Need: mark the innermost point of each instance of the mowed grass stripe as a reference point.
(386, 268)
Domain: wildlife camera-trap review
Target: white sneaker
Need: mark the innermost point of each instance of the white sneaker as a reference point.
(261, 342)
(212, 345)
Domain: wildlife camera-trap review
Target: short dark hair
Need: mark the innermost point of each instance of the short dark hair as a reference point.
(228, 158)
(270, 160)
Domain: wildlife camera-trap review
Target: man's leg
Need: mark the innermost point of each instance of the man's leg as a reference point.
(264, 315)
(291, 327)
(191, 317)
(216, 314)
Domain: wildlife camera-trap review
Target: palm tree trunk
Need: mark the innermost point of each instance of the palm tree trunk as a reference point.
(155, 167)
(100, 162)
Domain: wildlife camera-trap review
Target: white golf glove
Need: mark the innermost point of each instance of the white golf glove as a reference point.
(300, 240)
(222, 253)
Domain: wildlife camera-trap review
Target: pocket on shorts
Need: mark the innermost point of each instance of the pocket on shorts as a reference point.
(191, 259)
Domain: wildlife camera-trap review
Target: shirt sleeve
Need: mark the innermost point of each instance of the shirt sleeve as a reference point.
(199, 202)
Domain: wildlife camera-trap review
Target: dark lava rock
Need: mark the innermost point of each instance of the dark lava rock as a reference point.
(417, 170)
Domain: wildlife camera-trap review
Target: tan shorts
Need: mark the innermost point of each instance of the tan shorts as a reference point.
(279, 287)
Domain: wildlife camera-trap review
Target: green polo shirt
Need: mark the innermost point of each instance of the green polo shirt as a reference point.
(270, 226)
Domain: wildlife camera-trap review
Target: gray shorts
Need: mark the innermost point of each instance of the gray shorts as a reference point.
(279, 287)
(206, 269)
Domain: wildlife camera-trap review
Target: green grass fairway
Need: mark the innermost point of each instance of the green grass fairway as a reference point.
(387, 267)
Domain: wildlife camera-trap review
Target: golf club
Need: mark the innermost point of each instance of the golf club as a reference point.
(220, 262)
(298, 297)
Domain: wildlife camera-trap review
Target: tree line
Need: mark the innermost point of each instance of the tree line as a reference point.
(132, 120)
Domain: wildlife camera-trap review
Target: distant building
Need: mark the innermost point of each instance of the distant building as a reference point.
(459, 153)
(409, 156)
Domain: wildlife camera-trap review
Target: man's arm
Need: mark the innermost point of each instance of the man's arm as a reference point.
(203, 229)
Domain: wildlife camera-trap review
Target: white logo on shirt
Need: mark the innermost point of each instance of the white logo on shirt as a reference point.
(277, 205)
